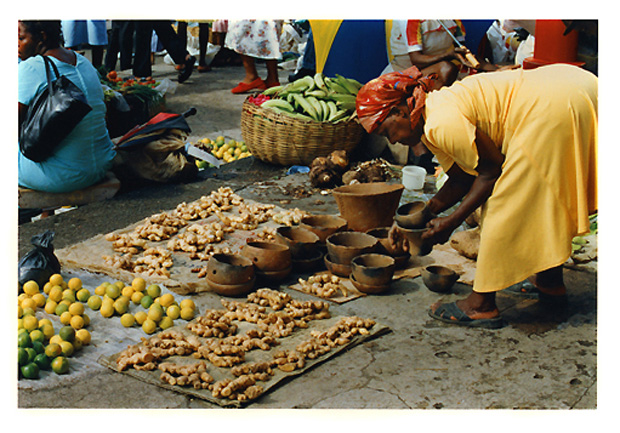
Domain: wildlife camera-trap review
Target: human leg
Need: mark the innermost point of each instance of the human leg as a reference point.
(272, 73)
(177, 50)
(142, 57)
(203, 40)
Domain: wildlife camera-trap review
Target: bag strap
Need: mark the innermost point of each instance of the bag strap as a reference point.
(48, 72)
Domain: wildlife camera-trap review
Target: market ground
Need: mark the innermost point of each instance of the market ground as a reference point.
(542, 360)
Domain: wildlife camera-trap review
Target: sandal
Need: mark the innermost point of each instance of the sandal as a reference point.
(258, 84)
(528, 290)
(187, 69)
(451, 313)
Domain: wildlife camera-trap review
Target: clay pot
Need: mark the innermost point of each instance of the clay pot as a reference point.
(367, 206)
(229, 269)
(309, 263)
(368, 288)
(323, 225)
(337, 268)
(373, 269)
(267, 256)
(439, 278)
(231, 289)
(385, 247)
(302, 243)
(413, 215)
(342, 247)
(417, 246)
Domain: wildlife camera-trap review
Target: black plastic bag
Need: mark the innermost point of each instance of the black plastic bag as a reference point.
(40, 263)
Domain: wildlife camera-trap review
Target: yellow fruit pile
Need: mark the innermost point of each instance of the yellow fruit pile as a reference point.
(226, 151)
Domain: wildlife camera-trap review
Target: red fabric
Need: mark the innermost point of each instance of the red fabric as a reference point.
(377, 97)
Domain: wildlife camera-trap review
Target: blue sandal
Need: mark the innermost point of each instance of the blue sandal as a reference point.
(526, 289)
(451, 313)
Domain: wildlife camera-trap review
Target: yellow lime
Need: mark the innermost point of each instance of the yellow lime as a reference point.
(127, 291)
(76, 308)
(30, 287)
(113, 291)
(55, 339)
(65, 318)
(74, 284)
(83, 335)
(173, 311)
(86, 318)
(137, 297)
(149, 326)
(94, 302)
(138, 284)
(107, 309)
(153, 291)
(83, 294)
(50, 306)
(127, 320)
(155, 313)
(20, 311)
(39, 299)
(56, 280)
(76, 322)
(68, 295)
(30, 323)
(77, 345)
(187, 313)
(119, 284)
(29, 303)
(166, 322)
(100, 290)
(67, 333)
(53, 350)
(55, 293)
(60, 365)
(61, 308)
(120, 306)
(47, 287)
(47, 329)
(44, 322)
(67, 348)
(37, 335)
(187, 303)
(166, 299)
(140, 317)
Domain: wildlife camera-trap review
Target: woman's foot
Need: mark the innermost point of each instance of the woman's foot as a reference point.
(242, 87)
(188, 67)
(477, 310)
(203, 68)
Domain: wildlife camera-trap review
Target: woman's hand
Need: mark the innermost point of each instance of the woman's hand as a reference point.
(439, 230)
(397, 240)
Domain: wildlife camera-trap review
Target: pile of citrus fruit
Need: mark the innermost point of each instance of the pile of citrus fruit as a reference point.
(227, 151)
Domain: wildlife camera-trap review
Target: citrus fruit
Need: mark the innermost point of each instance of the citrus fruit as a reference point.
(155, 314)
(127, 291)
(140, 317)
(94, 302)
(127, 320)
(37, 335)
(173, 311)
(146, 301)
(76, 308)
(43, 361)
(65, 318)
(47, 329)
(39, 299)
(83, 336)
(166, 322)
(20, 311)
(31, 354)
(28, 303)
(107, 309)
(149, 326)
(27, 312)
(55, 293)
(22, 356)
(166, 299)
(50, 306)
(30, 371)
(69, 295)
(187, 303)
(44, 321)
(53, 350)
(38, 346)
(136, 297)
(56, 280)
(30, 287)
(187, 313)
(153, 291)
(119, 284)
(86, 318)
(82, 295)
(100, 290)
(30, 323)
(113, 291)
(74, 284)
(61, 308)
(47, 287)
(138, 284)
(55, 339)
(60, 365)
(67, 333)
(77, 322)
(120, 306)
(77, 345)
(67, 348)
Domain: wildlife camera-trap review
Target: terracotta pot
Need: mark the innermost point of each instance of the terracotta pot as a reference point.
(229, 269)
(309, 263)
(439, 278)
(417, 246)
(274, 276)
(267, 256)
(337, 268)
(231, 289)
(342, 247)
(323, 225)
(368, 288)
(373, 269)
(302, 243)
(413, 215)
(367, 206)
(385, 246)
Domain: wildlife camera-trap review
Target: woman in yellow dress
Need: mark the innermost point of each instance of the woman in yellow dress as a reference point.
(520, 143)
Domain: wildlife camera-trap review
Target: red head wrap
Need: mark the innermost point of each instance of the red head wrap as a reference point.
(377, 97)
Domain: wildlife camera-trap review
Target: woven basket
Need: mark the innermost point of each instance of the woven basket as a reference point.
(283, 140)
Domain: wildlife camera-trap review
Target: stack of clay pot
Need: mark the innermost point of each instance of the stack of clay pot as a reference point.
(342, 247)
(372, 273)
(304, 246)
(230, 274)
(400, 256)
(411, 219)
(272, 261)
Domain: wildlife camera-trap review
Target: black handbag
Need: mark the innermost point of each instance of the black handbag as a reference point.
(52, 116)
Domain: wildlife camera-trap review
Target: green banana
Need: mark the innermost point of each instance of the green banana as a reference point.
(305, 105)
(278, 103)
(320, 81)
(317, 107)
(324, 110)
(339, 115)
(316, 93)
(335, 87)
(272, 90)
(345, 83)
(342, 98)
(332, 108)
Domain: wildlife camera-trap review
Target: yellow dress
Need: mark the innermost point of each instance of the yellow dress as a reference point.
(544, 121)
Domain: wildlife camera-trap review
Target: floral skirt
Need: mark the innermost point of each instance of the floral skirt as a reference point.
(255, 38)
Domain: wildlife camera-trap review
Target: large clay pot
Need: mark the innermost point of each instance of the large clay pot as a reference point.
(366, 206)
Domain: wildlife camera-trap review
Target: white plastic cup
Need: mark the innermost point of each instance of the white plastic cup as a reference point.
(413, 177)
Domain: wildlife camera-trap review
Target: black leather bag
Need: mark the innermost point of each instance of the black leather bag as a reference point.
(52, 116)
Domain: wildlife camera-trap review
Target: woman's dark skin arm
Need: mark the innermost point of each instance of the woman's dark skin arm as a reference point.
(490, 161)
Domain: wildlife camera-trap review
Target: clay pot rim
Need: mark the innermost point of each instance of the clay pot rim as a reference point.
(333, 237)
(333, 221)
(440, 271)
(404, 210)
(368, 189)
(297, 229)
(224, 259)
(266, 245)
(340, 269)
(368, 288)
(368, 256)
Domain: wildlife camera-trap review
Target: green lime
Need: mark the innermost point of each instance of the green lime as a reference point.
(61, 308)
(38, 346)
(37, 335)
(53, 350)
(24, 340)
(30, 371)
(22, 356)
(83, 294)
(153, 291)
(67, 333)
(94, 302)
(146, 301)
(60, 365)
(43, 361)
(31, 354)
(113, 291)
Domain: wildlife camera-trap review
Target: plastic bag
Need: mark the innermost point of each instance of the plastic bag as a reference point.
(40, 263)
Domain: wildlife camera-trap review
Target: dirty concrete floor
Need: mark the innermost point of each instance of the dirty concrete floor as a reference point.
(543, 359)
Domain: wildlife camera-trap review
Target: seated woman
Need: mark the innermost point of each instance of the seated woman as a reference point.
(85, 155)
(520, 143)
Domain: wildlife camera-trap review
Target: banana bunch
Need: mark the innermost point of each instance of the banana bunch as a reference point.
(318, 98)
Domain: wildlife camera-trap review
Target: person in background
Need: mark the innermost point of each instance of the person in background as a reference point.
(120, 41)
(85, 155)
(491, 134)
(255, 39)
(203, 40)
(93, 33)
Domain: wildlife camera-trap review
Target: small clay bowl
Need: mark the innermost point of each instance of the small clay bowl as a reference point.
(229, 269)
(417, 246)
(439, 278)
(310, 263)
(342, 247)
(323, 225)
(302, 242)
(231, 289)
(373, 269)
(412, 215)
(337, 268)
(385, 246)
(401, 260)
(267, 256)
(369, 289)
